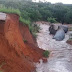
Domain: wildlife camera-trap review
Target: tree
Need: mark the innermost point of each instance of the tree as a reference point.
(52, 20)
(68, 17)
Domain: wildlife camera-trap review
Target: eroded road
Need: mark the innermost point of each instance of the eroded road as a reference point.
(60, 59)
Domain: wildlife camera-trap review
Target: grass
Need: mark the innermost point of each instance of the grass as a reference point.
(24, 21)
(15, 11)
(46, 53)
(10, 10)
(32, 27)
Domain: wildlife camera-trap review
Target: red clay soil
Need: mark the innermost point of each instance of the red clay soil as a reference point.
(15, 55)
(69, 42)
(24, 29)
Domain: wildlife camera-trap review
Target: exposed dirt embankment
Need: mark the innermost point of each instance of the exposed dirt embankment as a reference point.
(15, 55)
(24, 29)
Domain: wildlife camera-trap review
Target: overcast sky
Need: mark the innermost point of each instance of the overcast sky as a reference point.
(56, 1)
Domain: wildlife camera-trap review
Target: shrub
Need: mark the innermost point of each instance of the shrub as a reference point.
(52, 20)
(24, 21)
(34, 34)
(34, 28)
(70, 36)
(25, 41)
(46, 53)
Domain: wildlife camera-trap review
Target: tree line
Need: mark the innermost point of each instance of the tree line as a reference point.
(41, 11)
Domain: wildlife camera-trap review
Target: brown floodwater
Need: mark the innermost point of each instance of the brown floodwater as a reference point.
(60, 59)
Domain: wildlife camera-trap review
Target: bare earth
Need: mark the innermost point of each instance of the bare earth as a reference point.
(60, 59)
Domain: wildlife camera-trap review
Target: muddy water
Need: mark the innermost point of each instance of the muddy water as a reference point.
(60, 59)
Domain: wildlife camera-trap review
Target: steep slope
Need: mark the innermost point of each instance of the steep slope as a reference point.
(26, 33)
(15, 55)
(34, 52)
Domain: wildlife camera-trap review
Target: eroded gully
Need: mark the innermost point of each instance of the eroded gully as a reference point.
(60, 59)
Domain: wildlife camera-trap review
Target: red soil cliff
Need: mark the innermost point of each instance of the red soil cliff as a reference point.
(24, 29)
(15, 55)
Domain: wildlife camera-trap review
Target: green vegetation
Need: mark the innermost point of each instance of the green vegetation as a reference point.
(10, 10)
(34, 28)
(24, 21)
(52, 20)
(31, 12)
(24, 40)
(46, 53)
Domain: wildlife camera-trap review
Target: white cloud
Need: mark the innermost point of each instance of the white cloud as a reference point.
(56, 1)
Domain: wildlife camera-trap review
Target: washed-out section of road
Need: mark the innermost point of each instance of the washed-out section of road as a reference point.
(60, 59)
(2, 16)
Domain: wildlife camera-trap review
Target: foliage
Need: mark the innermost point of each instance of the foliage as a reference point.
(30, 11)
(34, 28)
(24, 21)
(68, 17)
(24, 40)
(10, 10)
(46, 53)
(52, 20)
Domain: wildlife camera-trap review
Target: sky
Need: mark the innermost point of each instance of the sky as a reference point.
(56, 1)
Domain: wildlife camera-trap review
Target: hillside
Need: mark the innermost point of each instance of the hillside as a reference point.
(15, 55)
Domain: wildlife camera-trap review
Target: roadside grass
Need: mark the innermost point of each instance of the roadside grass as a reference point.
(10, 10)
(24, 21)
(15, 11)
